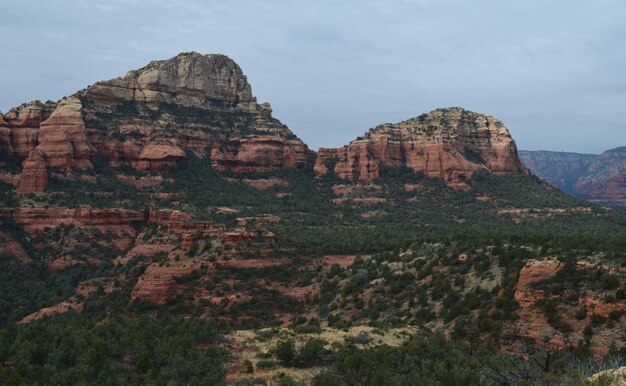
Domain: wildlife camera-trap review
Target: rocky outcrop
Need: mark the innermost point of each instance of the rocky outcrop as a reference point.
(63, 139)
(34, 178)
(19, 128)
(189, 79)
(449, 144)
(37, 219)
(259, 154)
(189, 104)
(159, 157)
(534, 271)
(154, 117)
(158, 283)
(61, 308)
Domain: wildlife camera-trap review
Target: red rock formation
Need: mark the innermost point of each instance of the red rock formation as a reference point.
(34, 178)
(168, 217)
(29, 114)
(36, 219)
(533, 271)
(194, 103)
(158, 283)
(61, 308)
(159, 157)
(62, 137)
(189, 79)
(152, 117)
(19, 128)
(447, 143)
(259, 154)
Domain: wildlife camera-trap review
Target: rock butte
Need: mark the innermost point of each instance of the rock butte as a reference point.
(449, 144)
(155, 117)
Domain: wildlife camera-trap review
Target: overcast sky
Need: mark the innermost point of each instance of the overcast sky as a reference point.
(554, 71)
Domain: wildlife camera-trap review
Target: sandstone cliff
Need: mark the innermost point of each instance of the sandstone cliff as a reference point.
(34, 178)
(20, 126)
(447, 143)
(152, 119)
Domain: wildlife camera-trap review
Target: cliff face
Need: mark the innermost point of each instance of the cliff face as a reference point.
(604, 167)
(598, 178)
(20, 126)
(447, 143)
(34, 178)
(152, 119)
(155, 117)
(557, 168)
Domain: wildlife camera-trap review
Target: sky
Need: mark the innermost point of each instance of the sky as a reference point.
(553, 71)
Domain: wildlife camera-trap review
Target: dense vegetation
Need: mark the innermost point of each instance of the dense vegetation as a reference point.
(408, 233)
(433, 360)
(70, 349)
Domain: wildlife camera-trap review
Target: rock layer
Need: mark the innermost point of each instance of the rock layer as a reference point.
(37, 219)
(34, 178)
(155, 117)
(152, 119)
(447, 143)
(62, 137)
(20, 126)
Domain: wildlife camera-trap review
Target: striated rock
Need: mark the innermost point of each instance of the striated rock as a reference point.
(159, 157)
(203, 104)
(259, 154)
(37, 219)
(189, 79)
(157, 284)
(62, 137)
(19, 128)
(153, 117)
(24, 140)
(34, 178)
(29, 115)
(447, 143)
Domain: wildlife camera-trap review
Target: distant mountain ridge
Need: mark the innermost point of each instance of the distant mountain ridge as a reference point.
(597, 177)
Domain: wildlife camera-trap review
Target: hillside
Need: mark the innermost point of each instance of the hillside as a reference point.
(154, 223)
(598, 178)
